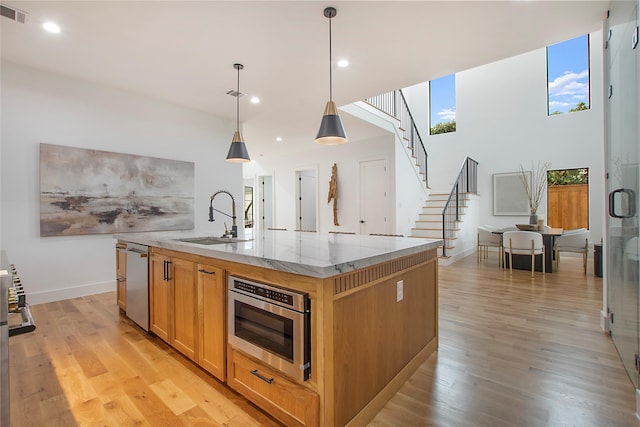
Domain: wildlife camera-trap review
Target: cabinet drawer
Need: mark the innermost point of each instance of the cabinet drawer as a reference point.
(284, 399)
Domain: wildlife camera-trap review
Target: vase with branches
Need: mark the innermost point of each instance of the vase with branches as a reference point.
(536, 188)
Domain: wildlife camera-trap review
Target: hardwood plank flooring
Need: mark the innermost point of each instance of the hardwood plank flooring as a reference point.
(517, 351)
(88, 365)
(514, 351)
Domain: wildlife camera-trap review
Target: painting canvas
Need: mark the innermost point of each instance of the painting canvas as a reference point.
(86, 191)
(509, 195)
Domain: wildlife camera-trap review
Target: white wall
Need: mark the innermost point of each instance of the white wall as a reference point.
(39, 107)
(411, 192)
(322, 158)
(502, 122)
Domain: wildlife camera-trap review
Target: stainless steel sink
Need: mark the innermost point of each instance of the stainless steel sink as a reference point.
(209, 240)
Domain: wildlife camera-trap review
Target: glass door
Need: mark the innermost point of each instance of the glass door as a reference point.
(623, 180)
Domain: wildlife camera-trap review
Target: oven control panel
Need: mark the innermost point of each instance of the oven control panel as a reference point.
(283, 297)
(267, 293)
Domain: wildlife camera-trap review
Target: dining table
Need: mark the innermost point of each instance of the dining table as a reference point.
(523, 262)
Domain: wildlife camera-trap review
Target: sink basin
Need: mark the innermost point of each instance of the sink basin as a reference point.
(212, 240)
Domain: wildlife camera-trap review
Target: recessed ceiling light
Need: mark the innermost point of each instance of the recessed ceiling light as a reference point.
(279, 139)
(343, 63)
(255, 100)
(51, 27)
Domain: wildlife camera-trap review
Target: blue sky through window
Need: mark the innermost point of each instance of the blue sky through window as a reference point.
(442, 100)
(568, 74)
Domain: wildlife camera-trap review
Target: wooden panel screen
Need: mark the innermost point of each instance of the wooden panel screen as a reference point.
(568, 206)
(367, 275)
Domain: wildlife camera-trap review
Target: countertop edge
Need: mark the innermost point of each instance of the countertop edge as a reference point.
(316, 271)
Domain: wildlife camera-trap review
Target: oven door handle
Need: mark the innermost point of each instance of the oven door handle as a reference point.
(262, 377)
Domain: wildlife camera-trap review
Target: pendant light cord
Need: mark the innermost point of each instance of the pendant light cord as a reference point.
(330, 68)
(238, 103)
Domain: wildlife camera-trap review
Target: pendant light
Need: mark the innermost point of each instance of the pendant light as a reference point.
(238, 151)
(331, 131)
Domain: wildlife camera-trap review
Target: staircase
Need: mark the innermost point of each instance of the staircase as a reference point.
(395, 105)
(442, 213)
(448, 209)
(429, 223)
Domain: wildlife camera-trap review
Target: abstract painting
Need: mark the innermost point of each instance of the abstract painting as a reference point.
(85, 191)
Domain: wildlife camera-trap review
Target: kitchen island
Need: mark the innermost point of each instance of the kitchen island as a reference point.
(373, 315)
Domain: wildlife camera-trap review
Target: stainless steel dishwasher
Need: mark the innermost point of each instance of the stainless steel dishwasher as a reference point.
(138, 284)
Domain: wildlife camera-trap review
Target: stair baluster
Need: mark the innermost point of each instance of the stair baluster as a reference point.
(467, 182)
(394, 104)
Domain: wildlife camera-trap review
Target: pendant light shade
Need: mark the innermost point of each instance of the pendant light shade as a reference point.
(331, 131)
(238, 151)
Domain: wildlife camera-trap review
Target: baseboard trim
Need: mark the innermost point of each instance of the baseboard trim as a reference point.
(59, 294)
(604, 321)
(456, 257)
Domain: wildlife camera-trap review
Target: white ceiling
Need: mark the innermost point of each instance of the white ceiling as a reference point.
(184, 51)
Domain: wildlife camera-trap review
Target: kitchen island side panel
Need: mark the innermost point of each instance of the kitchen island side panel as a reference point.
(376, 336)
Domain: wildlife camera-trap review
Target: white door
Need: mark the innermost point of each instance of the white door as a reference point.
(374, 201)
(265, 201)
(306, 200)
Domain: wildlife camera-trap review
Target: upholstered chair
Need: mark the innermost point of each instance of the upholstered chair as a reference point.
(487, 239)
(576, 241)
(522, 243)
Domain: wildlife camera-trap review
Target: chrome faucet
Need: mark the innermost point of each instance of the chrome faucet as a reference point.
(234, 227)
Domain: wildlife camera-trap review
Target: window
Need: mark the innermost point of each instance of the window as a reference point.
(568, 76)
(442, 105)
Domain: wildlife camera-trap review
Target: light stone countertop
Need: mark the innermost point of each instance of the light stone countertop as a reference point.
(317, 255)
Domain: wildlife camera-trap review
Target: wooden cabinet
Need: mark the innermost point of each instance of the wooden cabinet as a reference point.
(211, 320)
(289, 402)
(121, 275)
(183, 314)
(159, 295)
(172, 302)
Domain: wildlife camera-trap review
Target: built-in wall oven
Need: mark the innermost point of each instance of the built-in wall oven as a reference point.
(271, 324)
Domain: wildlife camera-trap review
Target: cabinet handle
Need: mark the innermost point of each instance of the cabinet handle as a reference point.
(202, 270)
(263, 378)
(167, 269)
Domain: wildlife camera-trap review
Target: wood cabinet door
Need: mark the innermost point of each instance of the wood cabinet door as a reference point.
(159, 293)
(122, 293)
(212, 325)
(184, 311)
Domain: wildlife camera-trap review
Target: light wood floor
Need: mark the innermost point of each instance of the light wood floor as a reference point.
(516, 351)
(513, 352)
